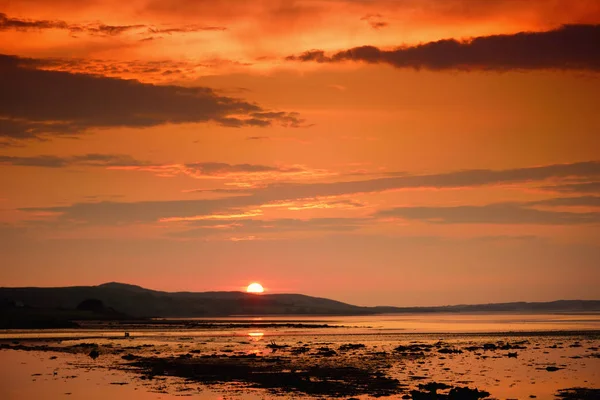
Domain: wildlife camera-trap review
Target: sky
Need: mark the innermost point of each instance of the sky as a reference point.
(377, 152)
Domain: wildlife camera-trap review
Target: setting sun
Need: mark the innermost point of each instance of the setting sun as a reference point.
(255, 288)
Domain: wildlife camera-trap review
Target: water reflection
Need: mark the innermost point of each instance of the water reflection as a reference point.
(256, 336)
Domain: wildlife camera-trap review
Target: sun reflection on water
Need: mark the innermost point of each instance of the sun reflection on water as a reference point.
(256, 336)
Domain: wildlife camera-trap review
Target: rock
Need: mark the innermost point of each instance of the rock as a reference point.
(579, 394)
(447, 350)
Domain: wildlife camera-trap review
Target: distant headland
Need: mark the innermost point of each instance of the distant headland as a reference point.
(114, 301)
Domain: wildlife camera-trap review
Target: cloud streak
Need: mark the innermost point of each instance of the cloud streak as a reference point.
(36, 103)
(88, 160)
(570, 47)
(501, 213)
(151, 211)
(580, 187)
(21, 24)
(241, 175)
(203, 228)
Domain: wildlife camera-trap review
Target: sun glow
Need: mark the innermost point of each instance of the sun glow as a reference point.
(255, 288)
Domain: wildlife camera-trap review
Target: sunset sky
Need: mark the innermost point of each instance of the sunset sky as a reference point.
(384, 152)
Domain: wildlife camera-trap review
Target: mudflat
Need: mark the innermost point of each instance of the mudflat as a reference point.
(302, 359)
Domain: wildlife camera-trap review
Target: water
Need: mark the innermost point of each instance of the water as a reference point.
(371, 324)
(568, 342)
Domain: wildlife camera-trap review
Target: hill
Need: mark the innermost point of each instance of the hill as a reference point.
(139, 302)
(136, 301)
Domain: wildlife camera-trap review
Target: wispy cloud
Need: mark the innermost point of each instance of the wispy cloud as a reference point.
(28, 24)
(149, 211)
(218, 217)
(568, 47)
(255, 227)
(579, 187)
(581, 201)
(375, 21)
(90, 160)
(242, 175)
(501, 213)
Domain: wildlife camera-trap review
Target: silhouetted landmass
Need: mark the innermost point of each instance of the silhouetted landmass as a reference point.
(101, 302)
(18, 314)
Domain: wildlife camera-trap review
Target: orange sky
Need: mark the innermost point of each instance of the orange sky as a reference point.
(376, 152)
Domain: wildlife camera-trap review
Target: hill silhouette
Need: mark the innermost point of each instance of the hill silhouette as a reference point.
(136, 301)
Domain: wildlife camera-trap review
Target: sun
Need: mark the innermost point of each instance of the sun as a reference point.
(255, 288)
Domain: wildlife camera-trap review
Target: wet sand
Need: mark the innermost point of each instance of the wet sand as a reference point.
(305, 362)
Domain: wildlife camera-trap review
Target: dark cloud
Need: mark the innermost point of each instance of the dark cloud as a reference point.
(467, 178)
(110, 30)
(185, 29)
(7, 23)
(580, 187)
(583, 201)
(502, 213)
(213, 168)
(35, 103)
(19, 24)
(375, 21)
(148, 211)
(568, 47)
(92, 159)
(28, 24)
(204, 169)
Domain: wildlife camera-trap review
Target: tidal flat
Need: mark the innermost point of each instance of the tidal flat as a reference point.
(332, 357)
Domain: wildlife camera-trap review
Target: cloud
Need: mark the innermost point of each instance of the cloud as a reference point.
(243, 174)
(153, 71)
(28, 24)
(36, 103)
(580, 187)
(185, 29)
(375, 21)
(151, 211)
(19, 24)
(583, 201)
(567, 47)
(501, 213)
(458, 179)
(311, 204)
(109, 30)
(204, 228)
(91, 160)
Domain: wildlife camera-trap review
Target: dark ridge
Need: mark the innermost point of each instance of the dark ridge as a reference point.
(136, 301)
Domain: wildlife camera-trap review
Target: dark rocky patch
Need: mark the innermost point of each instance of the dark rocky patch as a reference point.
(277, 374)
(418, 350)
(299, 350)
(448, 350)
(351, 346)
(429, 391)
(578, 394)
